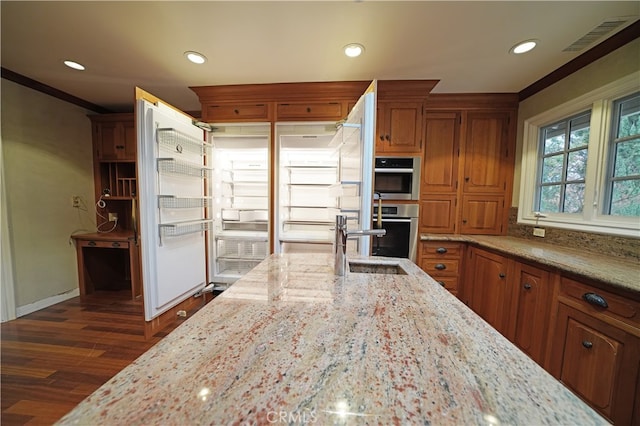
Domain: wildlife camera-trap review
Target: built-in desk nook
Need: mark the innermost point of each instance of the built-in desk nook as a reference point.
(108, 261)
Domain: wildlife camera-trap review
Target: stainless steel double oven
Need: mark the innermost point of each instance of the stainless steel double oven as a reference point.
(396, 179)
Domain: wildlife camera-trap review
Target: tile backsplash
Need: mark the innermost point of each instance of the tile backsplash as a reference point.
(610, 245)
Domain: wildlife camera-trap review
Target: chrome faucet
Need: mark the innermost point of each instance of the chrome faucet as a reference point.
(340, 244)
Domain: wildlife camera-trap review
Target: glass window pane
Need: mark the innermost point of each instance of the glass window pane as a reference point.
(577, 165)
(550, 199)
(625, 200)
(573, 198)
(554, 138)
(627, 162)
(579, 134)
(629, 123)
(552, 169)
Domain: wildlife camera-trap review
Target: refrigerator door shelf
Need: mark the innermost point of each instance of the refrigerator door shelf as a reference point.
(184, 228)
(182, 168)
(172, 140)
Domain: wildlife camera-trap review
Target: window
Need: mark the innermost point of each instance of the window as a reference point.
(581, 163)
(623, 188)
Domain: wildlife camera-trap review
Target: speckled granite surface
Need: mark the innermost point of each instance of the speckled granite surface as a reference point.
(613, 271)
(292, 343)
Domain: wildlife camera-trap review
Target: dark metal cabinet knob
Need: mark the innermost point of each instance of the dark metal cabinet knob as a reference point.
(595, 300)
(441, 250)
(587, 344)
(441, 283)
(527, 286)
(502, 275)
(236, 111)
(466, 178)
(92, 243)
(440, 266)
(116, 244)
(308, 109)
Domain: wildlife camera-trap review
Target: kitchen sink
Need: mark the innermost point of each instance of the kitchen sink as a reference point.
(361, 267)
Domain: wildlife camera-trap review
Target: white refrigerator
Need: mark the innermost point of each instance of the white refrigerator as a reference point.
(204, 196)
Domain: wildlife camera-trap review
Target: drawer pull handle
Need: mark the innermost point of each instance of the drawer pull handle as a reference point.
(441, 283)
(502, 275)
(116, 244)
(92, 243)
(441, 250)
(527, 286)
(595, 299)
(440, 266)
(587, 344)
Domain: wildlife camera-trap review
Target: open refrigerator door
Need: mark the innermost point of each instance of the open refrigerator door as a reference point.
(173, 207)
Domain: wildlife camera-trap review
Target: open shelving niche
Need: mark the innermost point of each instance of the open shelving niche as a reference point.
(313, 189)
(240, 201)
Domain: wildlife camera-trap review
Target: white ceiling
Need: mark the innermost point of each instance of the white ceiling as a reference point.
(124, 44)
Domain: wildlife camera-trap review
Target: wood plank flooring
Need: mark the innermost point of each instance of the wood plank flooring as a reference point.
(54, 358)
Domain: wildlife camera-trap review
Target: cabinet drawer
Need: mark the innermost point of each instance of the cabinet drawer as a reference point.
(319, 110)
(438, 249)
(440, 267)
(450, 283)
(235, 112)
(104, 244)
(600, 303)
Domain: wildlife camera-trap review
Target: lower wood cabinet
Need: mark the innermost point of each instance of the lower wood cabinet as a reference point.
(596, 354)
(442, 260)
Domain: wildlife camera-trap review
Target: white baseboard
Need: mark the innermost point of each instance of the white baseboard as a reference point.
(45, 303)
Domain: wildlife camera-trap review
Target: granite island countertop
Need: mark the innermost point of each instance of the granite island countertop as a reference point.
(618, 273)
(292, 343)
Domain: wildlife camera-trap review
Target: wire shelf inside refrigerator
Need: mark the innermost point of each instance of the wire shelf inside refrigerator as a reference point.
(241, 249)
(184, 228)
(173, 202)
(182, 168)
(179, 142)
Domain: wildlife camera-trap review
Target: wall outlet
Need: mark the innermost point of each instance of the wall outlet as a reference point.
(539, 232)
(113, 217)
(75, 201)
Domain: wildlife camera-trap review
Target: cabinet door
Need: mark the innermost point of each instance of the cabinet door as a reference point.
(486, 286)
(222, 113)
(437, 213)
(129, 141)
(115, 140)
(442, 143)
(598, 361)
(399, 127)
(486, 150)
(482, 214)
(532, 302)
(310, 111)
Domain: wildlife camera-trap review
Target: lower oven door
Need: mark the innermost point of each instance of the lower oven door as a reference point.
(400, 239)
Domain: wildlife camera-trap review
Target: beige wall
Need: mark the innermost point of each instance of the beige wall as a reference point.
(615, 65)
(47, 159)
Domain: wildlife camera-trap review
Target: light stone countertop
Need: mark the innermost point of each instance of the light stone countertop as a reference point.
(292, 343)
(612, 271)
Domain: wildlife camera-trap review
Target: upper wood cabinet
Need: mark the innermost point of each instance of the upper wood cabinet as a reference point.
(232, 112)
(487, 152)
(399, 127)
(311, 111)
(441, 152)
(114, 137)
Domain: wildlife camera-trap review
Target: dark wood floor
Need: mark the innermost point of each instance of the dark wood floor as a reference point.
(53, 358)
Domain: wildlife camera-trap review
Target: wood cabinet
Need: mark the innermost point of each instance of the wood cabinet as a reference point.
(530, 308)
(596, 348)
(114, 169)
(399, 127)
(486, 290)
(234, 112)
(468, 157)
(442, 260)
(311, 111)
(114, 137)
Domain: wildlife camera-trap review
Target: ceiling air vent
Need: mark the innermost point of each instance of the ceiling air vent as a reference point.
(597, 33)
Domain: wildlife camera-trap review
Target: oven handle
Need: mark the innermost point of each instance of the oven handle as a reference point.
(393, 170)
(399, 220)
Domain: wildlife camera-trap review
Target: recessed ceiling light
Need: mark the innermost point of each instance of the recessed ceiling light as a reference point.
(195, 57)
(74, 65)
(524, 46)
(353, 50)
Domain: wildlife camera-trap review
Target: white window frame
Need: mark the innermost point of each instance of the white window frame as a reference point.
(600, 101)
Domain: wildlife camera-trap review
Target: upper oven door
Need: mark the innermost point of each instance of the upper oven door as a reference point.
(397, 178)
